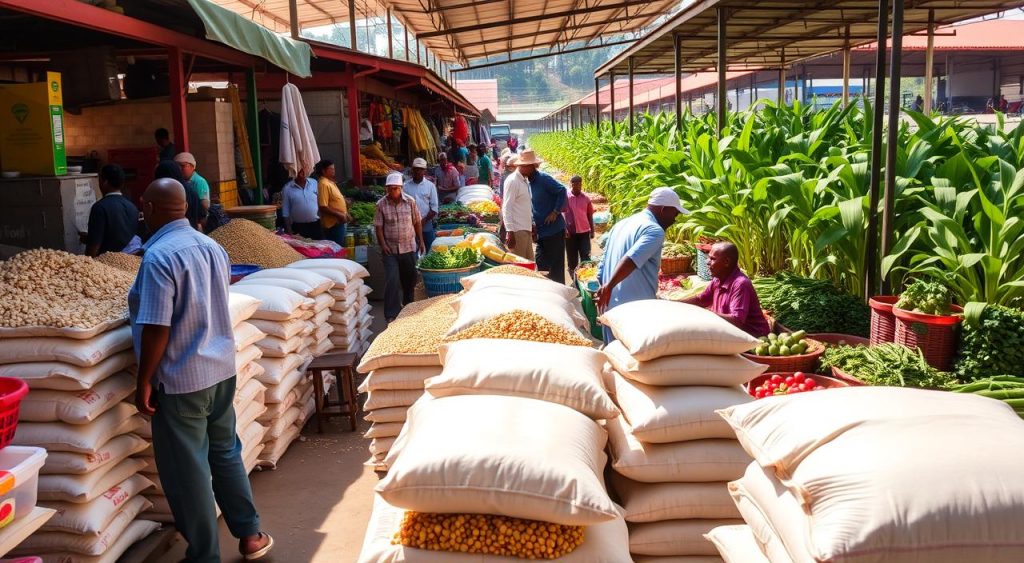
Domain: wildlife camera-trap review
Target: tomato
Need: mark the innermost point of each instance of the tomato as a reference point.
(798, 376)
(790, 381)
(804, 387)
(776, 378)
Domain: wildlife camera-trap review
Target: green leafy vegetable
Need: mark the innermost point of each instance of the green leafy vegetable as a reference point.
(890, 364)
(362, 212)
(452, 259)
(992, 343)
(1006, 388)
(812, 305)
(929, 297)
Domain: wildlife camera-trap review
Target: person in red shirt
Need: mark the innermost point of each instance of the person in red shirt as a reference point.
(579, 225)
(731, 294)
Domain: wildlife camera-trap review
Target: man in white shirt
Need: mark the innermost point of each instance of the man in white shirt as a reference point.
(300, 207)
(517, 213)
(425, 193)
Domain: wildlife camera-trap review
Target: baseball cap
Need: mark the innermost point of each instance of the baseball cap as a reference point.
(666, 197)
(185, 157)
(419, 163)
(395, 179)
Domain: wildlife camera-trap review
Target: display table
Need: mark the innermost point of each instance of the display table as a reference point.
(17, 531)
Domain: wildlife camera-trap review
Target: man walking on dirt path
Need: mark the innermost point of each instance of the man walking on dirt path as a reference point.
(632, 254)
(549, 199)
(517, 213)
(178, 308)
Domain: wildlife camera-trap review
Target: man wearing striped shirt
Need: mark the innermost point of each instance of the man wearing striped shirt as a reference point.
(178, 308)
(400, 234)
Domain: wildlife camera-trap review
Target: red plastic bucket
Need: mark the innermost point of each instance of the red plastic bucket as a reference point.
(12, 391)
(883, 322)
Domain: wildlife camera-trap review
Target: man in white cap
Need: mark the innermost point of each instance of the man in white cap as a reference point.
(517, 212)
(400, 235)
(632, 253)
(187, 162)
(425, 193)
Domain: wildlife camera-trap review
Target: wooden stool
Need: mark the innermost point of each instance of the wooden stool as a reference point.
(342, 364)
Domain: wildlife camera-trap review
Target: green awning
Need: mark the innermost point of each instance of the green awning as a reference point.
(233, 30)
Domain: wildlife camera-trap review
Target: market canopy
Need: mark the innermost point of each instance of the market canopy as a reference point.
(775, 33)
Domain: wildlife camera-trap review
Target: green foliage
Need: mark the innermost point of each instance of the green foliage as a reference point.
(362, 212)
(924, 296)
(992, 342)
(812, 305)
(890, 364)
(789, 185)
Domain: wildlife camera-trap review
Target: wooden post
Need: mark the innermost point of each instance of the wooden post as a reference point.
(676, 41)
(408, 53)
(352, 33)
(723, 95)
(597, 104)
(293, 18)
(847, 56)
(782, 78)
(871, 256)
(352, 95)
(178, 87)
(253, 122)
(630, 61)
(929, 64)
(391, 41)
(889, 198)
(612, 89)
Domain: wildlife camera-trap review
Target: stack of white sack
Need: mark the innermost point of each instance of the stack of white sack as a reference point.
(79, 408)
(350, 314)
(288, 319)
(877, 474)
(398, 361)
(671, 367)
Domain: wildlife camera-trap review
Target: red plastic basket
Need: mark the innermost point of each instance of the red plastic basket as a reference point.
(936, 336)
(12, 391)
(883, 322)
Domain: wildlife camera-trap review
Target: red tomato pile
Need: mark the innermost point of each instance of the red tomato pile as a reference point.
(778, 385)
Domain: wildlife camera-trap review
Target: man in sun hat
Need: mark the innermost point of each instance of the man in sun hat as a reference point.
(632, 253)
(400, 234)
(549, 198)
(425, 193)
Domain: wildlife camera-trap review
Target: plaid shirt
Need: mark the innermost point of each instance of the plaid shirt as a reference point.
(398, 221)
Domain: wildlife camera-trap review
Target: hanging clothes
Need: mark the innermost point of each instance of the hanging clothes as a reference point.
(298, 144)
(460, 130)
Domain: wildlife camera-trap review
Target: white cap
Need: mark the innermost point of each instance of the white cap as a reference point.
(666, 197)
(395, 179)
(185, 158)
(419, 163)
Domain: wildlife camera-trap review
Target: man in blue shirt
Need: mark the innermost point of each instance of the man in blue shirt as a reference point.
(178, 308)
(300, 207)
(632, 253)
(549, 199)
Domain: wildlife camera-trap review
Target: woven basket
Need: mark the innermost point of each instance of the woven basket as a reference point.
(676, 266)
(936, 336)
(883, 322)
(843, 376)
(702, 261)
(443, 282)
(806, 362)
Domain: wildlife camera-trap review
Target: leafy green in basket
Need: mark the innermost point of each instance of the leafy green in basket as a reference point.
(452, 259)
(928, 297)
(892, 365)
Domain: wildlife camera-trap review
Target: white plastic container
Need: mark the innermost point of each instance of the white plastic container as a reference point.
(19, 481)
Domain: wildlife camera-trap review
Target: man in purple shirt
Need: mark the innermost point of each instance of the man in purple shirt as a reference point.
(730, 294)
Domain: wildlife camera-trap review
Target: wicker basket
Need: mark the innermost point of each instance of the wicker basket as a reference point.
(676, 266)
(843, 376)
(883, 322)
(444, 282)
(806, 362)
(936, 336)
(703, 270)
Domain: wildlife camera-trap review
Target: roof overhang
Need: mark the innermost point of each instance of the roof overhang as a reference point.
(776, 33)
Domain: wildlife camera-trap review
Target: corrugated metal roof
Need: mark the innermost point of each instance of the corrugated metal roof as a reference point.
(481, 93)
(771, 33)
(991, 35)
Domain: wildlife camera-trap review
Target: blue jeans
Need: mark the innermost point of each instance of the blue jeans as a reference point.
(199, 457)
(337, 234)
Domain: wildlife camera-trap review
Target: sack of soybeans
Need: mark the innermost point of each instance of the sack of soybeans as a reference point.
(413, 338)
(247, 242)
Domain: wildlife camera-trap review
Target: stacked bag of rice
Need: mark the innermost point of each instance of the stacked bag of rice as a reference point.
(397, 363)
(250, 392)
(869, 474)
(671, 367)
(63, 331)
(524, 478)
(350, 313)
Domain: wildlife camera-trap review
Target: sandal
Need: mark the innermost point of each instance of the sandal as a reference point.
(260, 553)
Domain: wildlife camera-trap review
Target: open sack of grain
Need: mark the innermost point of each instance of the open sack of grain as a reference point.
(671, 367)
(824, 462)
(63, 331)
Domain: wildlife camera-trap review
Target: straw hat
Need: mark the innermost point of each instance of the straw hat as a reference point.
(528, 157)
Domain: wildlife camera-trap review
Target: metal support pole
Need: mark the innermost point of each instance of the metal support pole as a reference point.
(408, 53)
(352, 32)
(352, 97)
(391, 41)
(612, 90)
(253, 123)
(723, 99)
(929, 64)
(676, 41)
(630, 61)
(782, 78)
(417, 51)
(847, 56)
(871, 256)
(293, 18)
(895, 73)
(178, 87)
(753, 88)
(597, 104)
